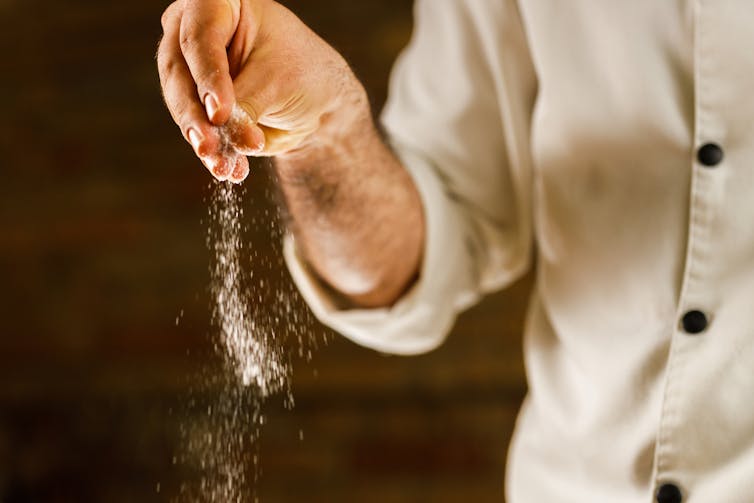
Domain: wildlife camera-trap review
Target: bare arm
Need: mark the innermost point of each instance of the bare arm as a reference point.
(355, 212)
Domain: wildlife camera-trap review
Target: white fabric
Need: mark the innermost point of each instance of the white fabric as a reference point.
(569, 131)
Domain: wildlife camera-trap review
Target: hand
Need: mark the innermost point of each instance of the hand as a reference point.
(247, 77)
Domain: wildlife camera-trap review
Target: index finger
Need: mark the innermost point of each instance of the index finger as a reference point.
(207, 28)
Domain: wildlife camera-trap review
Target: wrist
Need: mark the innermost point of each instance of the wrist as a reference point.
(346, 121)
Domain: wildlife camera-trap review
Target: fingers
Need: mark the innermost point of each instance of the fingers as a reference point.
(240, 170)
(206, 29)
(179, 86)
(179, 92)
(221, 167)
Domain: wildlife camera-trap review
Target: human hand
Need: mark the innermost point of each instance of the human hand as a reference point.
(247, 77)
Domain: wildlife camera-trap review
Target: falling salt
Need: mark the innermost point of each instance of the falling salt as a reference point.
(252, 354)
(258, 325)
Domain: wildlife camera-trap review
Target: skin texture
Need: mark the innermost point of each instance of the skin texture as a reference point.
(247, 77)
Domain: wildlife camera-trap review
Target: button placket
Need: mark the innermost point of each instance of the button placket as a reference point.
(693, 316)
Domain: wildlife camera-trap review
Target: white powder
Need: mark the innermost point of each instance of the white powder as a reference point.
(256, 323)
(224, 416)
(250, 350)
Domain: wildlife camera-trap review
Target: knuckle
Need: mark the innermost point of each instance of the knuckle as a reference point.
(166, 65)
(191, 35)
(199, 37)
(165, 19)
(187, 41)
(169, 15)
(182, 114)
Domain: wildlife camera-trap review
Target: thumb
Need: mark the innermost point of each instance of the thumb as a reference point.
(244, 134)
(250, 137)
(282, 114)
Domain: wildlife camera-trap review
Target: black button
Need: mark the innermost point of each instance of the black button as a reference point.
(710, 154)
(669, 493)
(695, 322)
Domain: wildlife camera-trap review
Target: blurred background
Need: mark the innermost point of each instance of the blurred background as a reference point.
(102, 248)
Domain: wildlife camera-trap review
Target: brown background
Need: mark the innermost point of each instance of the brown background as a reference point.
(102, 247)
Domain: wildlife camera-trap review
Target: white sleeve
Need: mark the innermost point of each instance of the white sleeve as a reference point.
(461, 98)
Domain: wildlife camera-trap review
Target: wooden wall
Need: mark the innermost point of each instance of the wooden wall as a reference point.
(102, 209)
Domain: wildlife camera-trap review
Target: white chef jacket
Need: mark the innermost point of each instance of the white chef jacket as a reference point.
(613, 141)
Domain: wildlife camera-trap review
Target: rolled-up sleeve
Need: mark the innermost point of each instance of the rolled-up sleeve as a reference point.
(458, 117)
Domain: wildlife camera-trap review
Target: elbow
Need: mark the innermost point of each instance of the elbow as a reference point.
(372, 288)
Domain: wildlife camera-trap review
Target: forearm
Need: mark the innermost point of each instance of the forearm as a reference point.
(354, 210)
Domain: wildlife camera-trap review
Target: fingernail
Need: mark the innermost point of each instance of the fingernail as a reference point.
(210, 103)
(195, 138)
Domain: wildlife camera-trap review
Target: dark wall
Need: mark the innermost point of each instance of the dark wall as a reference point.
(102, 218)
